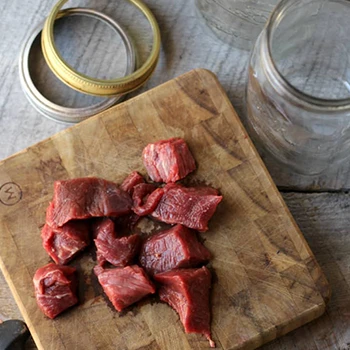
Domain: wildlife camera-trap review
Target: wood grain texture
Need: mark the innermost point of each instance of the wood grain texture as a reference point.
(91, 47)
(324, 220)
(267, 281)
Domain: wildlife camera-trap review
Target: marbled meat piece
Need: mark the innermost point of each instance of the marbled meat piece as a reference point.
(177, 247)
(117, 251)
(146, 198)
(55, 288)
(168, 160)
(187, 292)
(192, 207)
(131, 181)
(64, 243)
(124, 286)
(87, 197)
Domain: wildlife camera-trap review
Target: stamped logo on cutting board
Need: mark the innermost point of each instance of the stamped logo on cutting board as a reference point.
(10, 193)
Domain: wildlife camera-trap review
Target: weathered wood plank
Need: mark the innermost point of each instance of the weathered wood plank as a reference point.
(325, 220)
(94, 49)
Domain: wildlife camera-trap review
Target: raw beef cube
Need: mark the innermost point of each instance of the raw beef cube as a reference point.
(131, 181)
(124, 286)
(168, 160)
(146, 198)
(189, 206)
(64, 243)
(187, 291)
(83, 198)
(174, 248)
(117, 251)
(55, 288)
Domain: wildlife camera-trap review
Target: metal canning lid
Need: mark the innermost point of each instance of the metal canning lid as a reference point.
(57, 112)
(93, 86)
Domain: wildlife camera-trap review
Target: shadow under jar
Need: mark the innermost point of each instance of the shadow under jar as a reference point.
(298, 93)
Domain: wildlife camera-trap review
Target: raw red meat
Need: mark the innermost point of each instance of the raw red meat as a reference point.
(126, 223)
(84, 198)
(95, 226)
(187, 291)
(117, 251)
(131, 181)
(124, 286)
(55, 288)
(168, 160)
(146, 198)
(189, 206)
(64, 243)
(174, 248)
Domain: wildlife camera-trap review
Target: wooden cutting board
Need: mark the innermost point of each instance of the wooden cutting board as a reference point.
(266, 279)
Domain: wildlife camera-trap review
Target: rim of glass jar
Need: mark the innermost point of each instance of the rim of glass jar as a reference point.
(299, 97)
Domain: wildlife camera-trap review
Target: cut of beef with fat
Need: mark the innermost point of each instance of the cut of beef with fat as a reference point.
(55, 288)
(84, 198)
(64, 243)
(124, 286)
(168, 160)
(170, 249)
(131, 181)
(146, 198)
(187, 291)
(192, 207)
(117, 251)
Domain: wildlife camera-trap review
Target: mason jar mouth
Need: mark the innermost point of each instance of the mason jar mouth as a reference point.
(275, 19)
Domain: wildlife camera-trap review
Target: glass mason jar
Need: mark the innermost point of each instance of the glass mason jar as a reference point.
(236, 22)
(298, 94)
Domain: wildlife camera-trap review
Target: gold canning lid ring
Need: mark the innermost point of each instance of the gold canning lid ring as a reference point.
(94, 86)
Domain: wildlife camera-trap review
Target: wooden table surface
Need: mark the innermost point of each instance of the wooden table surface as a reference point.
(323, 216)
